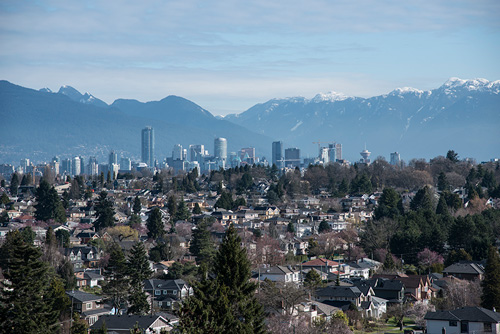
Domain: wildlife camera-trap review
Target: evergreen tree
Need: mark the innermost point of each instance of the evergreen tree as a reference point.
(313, 280)
(452, 156)
(33, 298)
(227, 303)
(388, 204)
(290, 228)
(422, 200)
(14, 184)
(202, 245)
(137, 205)
(62, 238)
(197, 209)
(491, 284)
(48, 205)
(79, 325)
(65, 199)
(389, 263)
(442, 207)
(28, 235)
(105, 212)
(155, 225)
(138, 271)
(117, 285)
(225, 201)
(324, 227)
(172, 206)
(5, 199)
(442, 182)
(182, 211)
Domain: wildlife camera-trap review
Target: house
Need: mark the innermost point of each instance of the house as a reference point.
(88, 278)
(322, 265)
(280, 274)
(391, 290)
(266, 212)
(167, 294)
(88, 305)
(417, 287)
(344, 294)
(81, 257)
(465, 270)
(122, 324)
(463, 320)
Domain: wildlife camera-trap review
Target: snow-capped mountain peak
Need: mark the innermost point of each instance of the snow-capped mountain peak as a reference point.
(329, 97)
(406, 90)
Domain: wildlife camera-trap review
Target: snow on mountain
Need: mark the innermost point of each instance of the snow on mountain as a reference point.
(330, 97)
(391, 121)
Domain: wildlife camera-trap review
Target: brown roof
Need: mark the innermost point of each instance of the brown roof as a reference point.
(320, 262)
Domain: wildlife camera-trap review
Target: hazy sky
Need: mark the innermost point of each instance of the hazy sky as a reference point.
(227, 55)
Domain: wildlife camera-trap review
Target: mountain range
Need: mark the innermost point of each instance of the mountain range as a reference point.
(463, 115)
(41, 124)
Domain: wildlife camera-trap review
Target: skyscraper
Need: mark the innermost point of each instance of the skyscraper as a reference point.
(292, 157)
(220, 148)
(196, 153)
(113, 158)
(177, 152)
(395, 159)
(277, 157)
(148, 146)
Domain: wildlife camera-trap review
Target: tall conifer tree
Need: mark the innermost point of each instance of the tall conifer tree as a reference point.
(227, 303)
(138, 271)
(491, 283)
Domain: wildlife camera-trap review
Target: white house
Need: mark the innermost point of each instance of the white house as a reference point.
(280, 274)
(463, 320)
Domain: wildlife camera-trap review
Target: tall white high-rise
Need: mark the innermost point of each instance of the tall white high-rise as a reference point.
(76, 166)
(220, 148)
(148, 146)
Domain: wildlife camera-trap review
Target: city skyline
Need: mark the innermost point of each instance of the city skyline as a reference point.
(227, 59)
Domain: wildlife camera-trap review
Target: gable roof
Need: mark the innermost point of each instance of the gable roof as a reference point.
(464, 268)
(472, 314)
(278, 270)
(339, 291)
(320, 263)
(125, 322)
(157, 284)
(81, 296)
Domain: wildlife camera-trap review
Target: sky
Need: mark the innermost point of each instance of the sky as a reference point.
(227, 56)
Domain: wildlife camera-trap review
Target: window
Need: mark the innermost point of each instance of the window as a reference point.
(157, 292)
(453, 323)
(164, 292)
(88, 306)
(487, 327)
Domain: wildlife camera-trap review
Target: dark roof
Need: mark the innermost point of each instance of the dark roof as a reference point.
(125, 322)
(464, 268)
(171, 284)
(339, 291)
(472, 314)
(82, 296)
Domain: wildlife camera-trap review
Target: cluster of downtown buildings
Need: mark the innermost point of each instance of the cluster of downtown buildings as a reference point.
(186, 159)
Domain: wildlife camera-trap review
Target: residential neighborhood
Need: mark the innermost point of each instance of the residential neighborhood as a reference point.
(136, 250)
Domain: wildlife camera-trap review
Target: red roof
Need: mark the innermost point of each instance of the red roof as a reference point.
(320, 263)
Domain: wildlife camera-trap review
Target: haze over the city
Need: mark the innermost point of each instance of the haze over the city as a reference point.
(229, 56)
